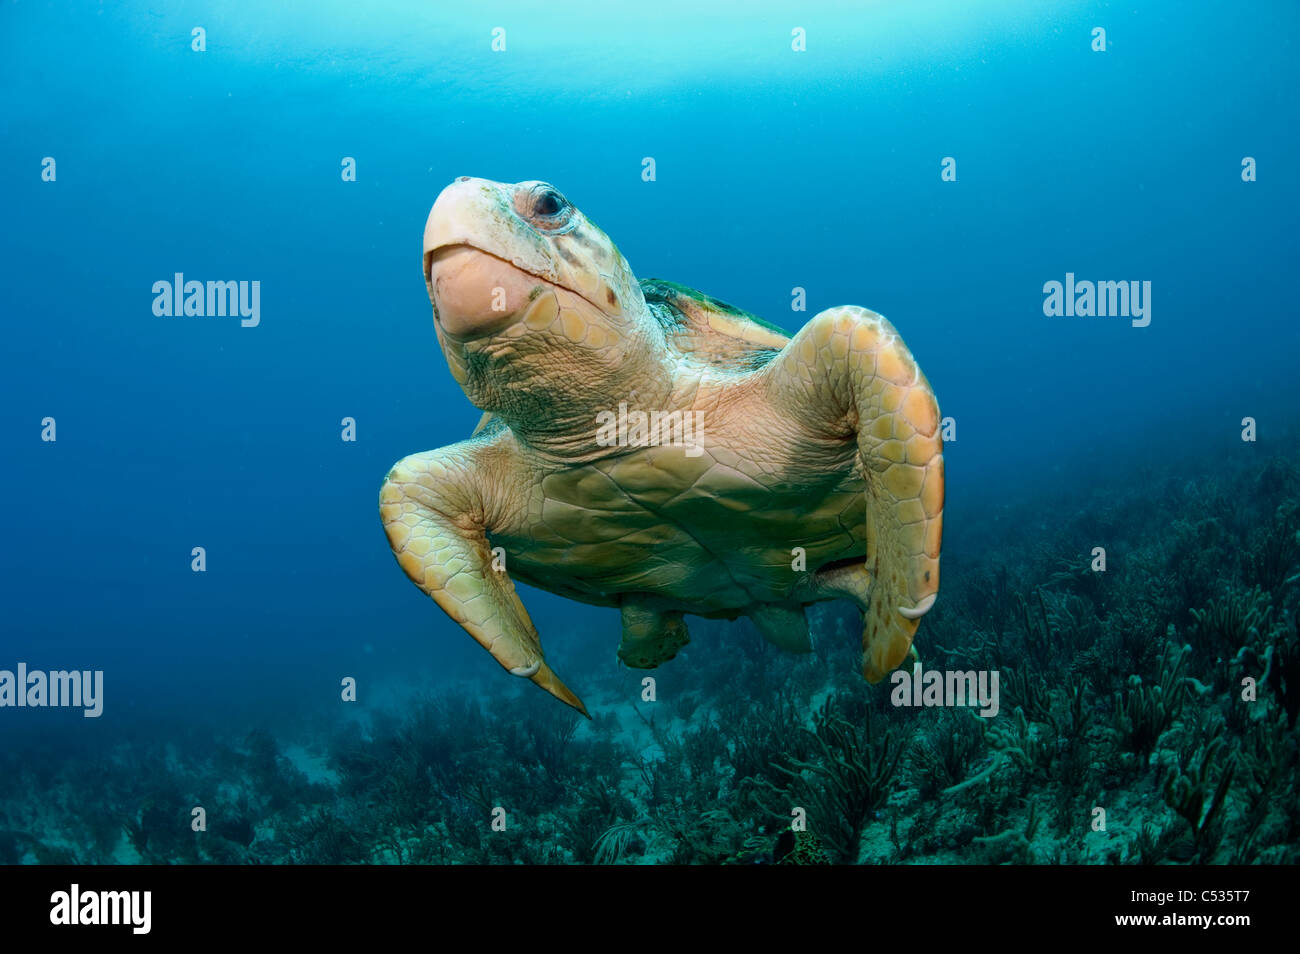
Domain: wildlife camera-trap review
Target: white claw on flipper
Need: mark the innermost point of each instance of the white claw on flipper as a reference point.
(527, 672)
(920, 609)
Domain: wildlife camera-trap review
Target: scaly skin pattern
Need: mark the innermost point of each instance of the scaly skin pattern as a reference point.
(816, 472)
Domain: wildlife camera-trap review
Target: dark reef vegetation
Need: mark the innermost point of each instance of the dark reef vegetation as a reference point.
(1150, 714)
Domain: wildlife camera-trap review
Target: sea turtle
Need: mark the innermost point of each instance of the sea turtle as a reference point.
(648, 447)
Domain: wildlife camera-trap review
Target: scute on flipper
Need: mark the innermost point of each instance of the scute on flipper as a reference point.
(703, 329)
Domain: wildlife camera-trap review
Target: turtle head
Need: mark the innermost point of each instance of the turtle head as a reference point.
(492, 249)
(540, 318)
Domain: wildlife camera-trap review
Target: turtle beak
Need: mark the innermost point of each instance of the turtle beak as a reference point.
(477, 213)
(447, 221)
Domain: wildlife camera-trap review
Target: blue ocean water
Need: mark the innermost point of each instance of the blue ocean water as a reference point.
(775, 169)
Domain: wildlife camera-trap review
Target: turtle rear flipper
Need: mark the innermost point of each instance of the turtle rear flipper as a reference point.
(783, 626)
(651, 635)
(438, 534)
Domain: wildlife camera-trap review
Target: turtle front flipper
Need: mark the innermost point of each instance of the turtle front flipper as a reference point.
(650, 635)
(848, 373)
(437, 529)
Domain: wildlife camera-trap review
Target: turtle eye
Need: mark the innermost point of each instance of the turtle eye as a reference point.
(548, 203)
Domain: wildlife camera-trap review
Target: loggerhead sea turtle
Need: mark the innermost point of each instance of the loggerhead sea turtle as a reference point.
(648, 447)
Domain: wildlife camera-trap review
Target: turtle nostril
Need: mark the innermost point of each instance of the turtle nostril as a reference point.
(462, 178)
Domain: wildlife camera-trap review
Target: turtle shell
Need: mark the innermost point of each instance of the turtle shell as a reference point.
(702, 328)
